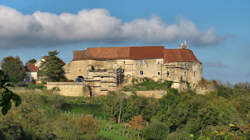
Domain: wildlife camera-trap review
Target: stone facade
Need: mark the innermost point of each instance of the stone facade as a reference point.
(105, 69)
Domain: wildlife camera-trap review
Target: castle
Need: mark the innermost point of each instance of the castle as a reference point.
(105, 69)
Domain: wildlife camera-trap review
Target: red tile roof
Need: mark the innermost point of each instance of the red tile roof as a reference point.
(31, 68)
(143, 52)
(179, 55)
(146, 52)
(45, 57)
(109, 53)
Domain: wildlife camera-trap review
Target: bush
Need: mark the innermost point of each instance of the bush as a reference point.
(156, 131)
(35, 86)
(148, 84)
(11, 131)
(180, 135)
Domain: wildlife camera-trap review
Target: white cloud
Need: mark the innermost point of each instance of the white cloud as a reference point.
(96, 25)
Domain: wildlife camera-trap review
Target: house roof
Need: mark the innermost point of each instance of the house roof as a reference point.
(31, 68)
(135, 53)
(110, 53)
(45, 57)
(179, 55)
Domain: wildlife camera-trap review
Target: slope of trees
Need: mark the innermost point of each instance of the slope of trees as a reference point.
(223, 114)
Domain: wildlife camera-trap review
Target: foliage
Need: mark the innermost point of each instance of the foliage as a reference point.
(14, 68)
(31, 61)
(137, 122)
(223, 114)
(156, 131)
(35, 86)
(148, 84)
(6, 94)
(11, 130)
(51, 68)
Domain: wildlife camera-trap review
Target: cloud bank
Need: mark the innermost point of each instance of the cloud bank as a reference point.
(94, 26)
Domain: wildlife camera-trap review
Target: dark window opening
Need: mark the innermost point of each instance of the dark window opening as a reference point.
(119, 76)
(159, 73)
(91, 68)
(79, 79)
(167, 73)
(141, 72)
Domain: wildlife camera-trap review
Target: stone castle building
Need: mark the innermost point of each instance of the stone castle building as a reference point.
(105, 69)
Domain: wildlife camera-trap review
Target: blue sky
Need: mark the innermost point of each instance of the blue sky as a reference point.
(218, 31)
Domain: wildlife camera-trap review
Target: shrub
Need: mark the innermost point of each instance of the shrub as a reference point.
(148, 84)
(156, 131)
(179, 135)
(11, 131)
(35, 86)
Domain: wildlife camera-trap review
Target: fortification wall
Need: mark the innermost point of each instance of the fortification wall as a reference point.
(69, 88)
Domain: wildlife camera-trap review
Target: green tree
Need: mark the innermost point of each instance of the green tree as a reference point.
(6, 94)
(51, 68)
(156, 131)
(31, 61)
(14, 68)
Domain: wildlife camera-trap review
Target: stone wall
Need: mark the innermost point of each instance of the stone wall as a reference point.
(101, 75)
(69, 88)
(151, 94)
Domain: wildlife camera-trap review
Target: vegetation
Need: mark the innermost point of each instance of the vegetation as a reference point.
(31, 61)
(148, 84)
(51, 68)
(6, 94)
(14, 68)
(223, 114)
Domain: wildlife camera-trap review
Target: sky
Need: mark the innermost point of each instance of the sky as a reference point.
(217, 31)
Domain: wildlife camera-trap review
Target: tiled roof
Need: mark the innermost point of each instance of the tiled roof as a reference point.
(110, 53)
(80, 55)
(146, 52)
(179, 55)
(143, 52)
(31, 68)
(44, 57)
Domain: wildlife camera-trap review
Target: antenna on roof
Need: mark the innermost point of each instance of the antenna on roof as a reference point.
(184, 45)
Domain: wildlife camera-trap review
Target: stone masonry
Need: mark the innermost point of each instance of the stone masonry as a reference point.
(106, 69)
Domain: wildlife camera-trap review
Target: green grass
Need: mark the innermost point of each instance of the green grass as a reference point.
(93, 109)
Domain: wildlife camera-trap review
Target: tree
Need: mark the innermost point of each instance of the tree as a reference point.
(156, 131)
(31, 61)
(14, 68)
(51, 68)
(6, 94)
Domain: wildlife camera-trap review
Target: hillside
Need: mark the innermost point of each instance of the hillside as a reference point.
(223, 114)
